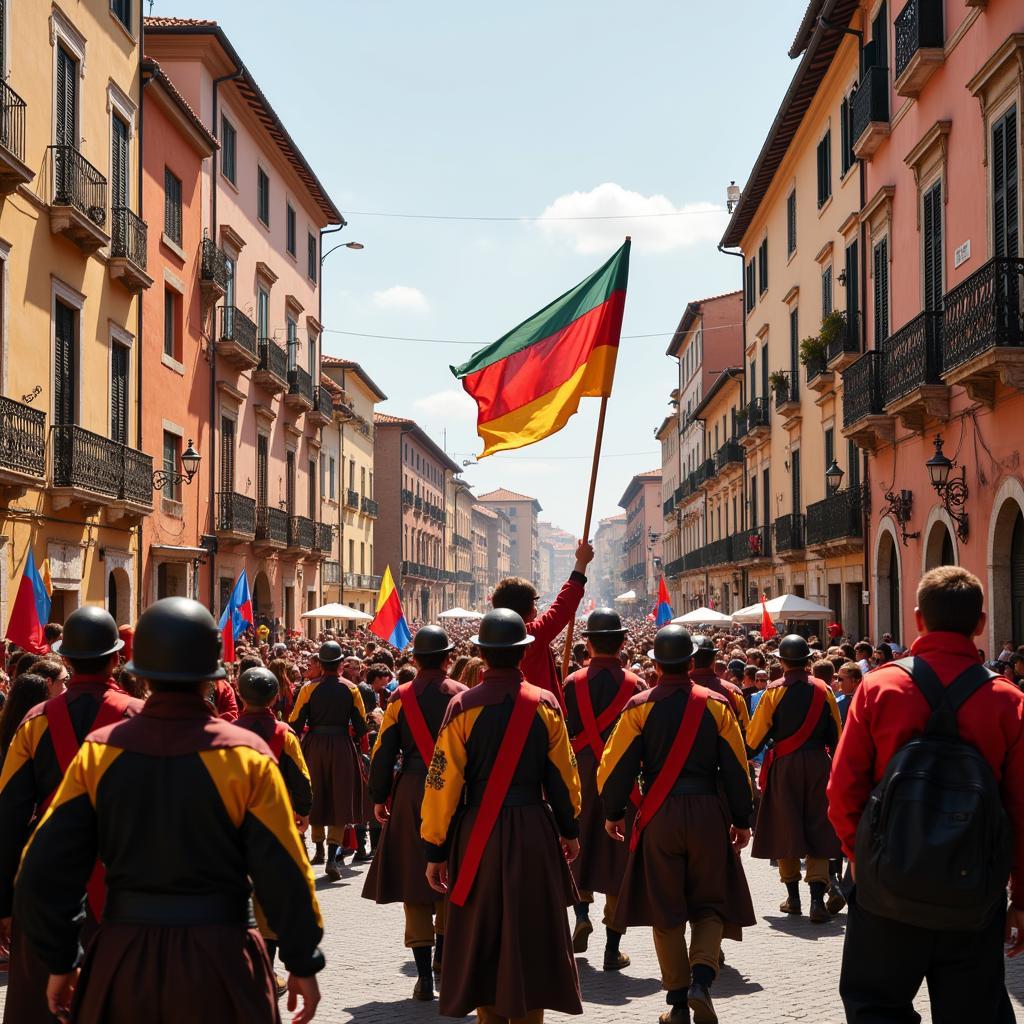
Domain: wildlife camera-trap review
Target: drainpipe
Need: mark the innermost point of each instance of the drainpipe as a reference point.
(143, 82)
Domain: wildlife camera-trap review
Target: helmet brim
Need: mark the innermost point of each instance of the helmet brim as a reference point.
(440, 650)
(58, 648)
(604, 632)
(670, 661)
(476, 642)
(170, 677)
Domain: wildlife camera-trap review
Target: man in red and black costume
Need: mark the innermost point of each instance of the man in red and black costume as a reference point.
(181, 809)
(41, 751)
(398, 872)
(520, 596)
(684, 866)
(799, 714)
(702, 673)
(594, 699)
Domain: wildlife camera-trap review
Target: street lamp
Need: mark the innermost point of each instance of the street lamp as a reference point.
(190, 460)
(833, 477)
(953, 492)
(355, 246)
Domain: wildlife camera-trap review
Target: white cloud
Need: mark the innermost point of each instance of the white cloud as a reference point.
(401, 297)
(452, 404)
(697, 222)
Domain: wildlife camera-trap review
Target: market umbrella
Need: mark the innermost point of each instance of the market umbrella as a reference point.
(703, 617)
(459, 613)
(337, 611)
(628, 597)
(786, 606)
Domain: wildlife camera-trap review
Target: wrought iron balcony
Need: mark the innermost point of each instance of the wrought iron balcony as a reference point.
(236, 516)
(213, 272)
(789, 533)
(301, 533)
(694, 560)
(706, 472)
(787, 391)
(370, 507)
(330, 573)
(729, 454)
(869, 114)
(22, 443)
(94, 470)
(912, 383)
(417, 503)
(322, 538)
(864, 421)
(753, 543)
(984, 329)
(816, 368)
(236, 340)
(919, 45)
(323, 404)
(363, 581)
(300, 389)
(271, 526)
(719, 552)
(668, 507)
(838, 519)
(758, 418)
(128, 248)
(844, 345)
(272, 369)
(675, 567)
(13, 171)
(352, 499)
(408, 498)
(683, 491)
(78, 208)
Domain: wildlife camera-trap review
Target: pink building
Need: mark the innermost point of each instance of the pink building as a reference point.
(641, 543)
(264, 212)
(937, 121)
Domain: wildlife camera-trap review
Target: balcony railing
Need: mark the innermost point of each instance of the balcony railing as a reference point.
(693, 560)
(362, 581)
(742, 427)
(984, 312)
(237, 327)
(918, 27)
(730, 452)
(417, 503)
(913, 357)
(787, 388)
(78, 184)
(273, 359)
(330, 573)
(719, 552)
(128, 238)
(323, 402)
(12, 122)
(352, 499)
(675, 567)
(370, 507)
(683, 491)
(213, 267)
(862, 391)
(407, 498)
(236, 513)
(789, 532)
(322, 537)
(22, 438)
(301, 533)
(815, 367)
(271, 524)
(86, 461)
(870, 102)
(845, 341)
(300, 383)
(137, 479)
(838, 517)
(707, 470)
(667, 507)
(753, 543)
(757, 414)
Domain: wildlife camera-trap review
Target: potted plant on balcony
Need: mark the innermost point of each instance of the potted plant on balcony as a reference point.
(833, 330)
(813, 350)
(778, 381)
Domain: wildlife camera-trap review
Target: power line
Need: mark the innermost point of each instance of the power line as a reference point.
(602, 216)
(563, 458)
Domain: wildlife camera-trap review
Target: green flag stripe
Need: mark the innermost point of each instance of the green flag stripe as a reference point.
(555, 316)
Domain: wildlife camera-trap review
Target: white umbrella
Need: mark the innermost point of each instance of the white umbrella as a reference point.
(703, 616)
(628, 597)
(786, 606)
(337, 611)
(459, 613)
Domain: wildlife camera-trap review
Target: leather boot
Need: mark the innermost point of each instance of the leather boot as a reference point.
(438, 954)
(836, 900)
(424, 989)
(678, 1011)
(699, 995)
(819, 912)
(318, 853)
(331, 870)
(614, 960)
(791, 905)
(362, 847)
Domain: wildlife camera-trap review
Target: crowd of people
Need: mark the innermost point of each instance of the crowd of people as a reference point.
(493, 795)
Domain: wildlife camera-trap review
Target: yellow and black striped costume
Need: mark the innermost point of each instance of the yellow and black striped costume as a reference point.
(291, 762)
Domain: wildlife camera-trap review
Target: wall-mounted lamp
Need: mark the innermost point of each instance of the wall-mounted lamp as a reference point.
(190, 460)
(953, 492)
(900, 507)
(833, 477)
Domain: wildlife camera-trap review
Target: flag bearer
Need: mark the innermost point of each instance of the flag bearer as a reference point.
(398, 872)
(330, 707)
(508, 953)
(594, 698)
(684, 864)
(181, 808)
(799, 714)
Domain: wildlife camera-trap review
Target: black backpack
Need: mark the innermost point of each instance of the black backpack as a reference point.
(934, 845)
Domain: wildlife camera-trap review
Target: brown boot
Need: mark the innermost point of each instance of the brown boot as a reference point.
(791, 904)
(318, 853)
(819, 912)
(581, 935)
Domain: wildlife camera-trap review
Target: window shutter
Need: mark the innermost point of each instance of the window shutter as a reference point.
(227, 454)
(119, 394)
(1005, 186)
(261, 470)
(933, 247)
(67, 84)
(119, 185)
(64, 365)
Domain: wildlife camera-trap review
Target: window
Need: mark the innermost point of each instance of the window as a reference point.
(748, 286)
(263, 313)
(825, 169)
(791, 223)
(846, 155)
(794, 351)
(330, 477)
(122, 10)
(172, 207)
(67, 112)
(227, 454)
(1005, 186)
(826, 291)
(228, 149)
(762, 267)
(172, 452)
(119, 160)
(290, 228)
(263, 196)
(323, 475)
(932, 262)
(65, 362)
(312, 490)
(119, 392)
(830, 447)
(171, 347)
(293, 342)
(881, 275)
(289, 481)
(312, 247)
(262, 470)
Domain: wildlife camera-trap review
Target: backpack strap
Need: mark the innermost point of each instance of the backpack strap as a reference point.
(925, 679)
(967, 684)
(945, 701)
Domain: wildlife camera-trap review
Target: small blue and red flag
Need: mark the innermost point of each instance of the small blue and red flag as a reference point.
(389, 622)
(663, 614)
(31, 611)
(237, 617)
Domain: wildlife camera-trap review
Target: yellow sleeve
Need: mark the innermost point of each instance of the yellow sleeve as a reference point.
(764, 714)
(299, 707)
(837, 719)
(445, 776)
(293, 748)
(741, 710)
(22, 748)
(562, 780)
(729, 730)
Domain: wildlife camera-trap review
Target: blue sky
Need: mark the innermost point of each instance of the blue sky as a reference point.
(509, 110)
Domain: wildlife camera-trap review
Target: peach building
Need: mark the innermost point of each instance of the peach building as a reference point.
(641, 542)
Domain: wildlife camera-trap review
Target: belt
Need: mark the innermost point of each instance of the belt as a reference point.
(694, 787)
(524, 795)
(329, 730)
(126, 906)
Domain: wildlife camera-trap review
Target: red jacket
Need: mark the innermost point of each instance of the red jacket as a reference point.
(224, 701)
(888, 710)
(538, 664)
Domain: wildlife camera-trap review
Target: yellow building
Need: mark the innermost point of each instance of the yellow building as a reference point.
(73, 488)
(798, 228)
(458, 578)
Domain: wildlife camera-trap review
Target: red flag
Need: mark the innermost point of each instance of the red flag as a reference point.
(768, 629)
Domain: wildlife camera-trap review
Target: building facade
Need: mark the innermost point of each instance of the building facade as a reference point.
(557, 557)
(522, 512)
(494, 523)
(458, 541)
(605, 573)
(641, 543)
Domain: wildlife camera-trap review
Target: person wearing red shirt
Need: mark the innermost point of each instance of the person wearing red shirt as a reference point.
(538, 666)
(885, 961)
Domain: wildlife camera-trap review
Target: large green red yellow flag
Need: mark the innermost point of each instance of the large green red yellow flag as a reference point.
(528, 384)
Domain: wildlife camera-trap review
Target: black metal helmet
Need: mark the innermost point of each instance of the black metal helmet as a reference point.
(258, 686)
(604, 622)
(431, 640)
(704, 643)
(176, 640)
(330, 653)
(736, 666)
(89, 632)
(673, 645)
(501, 628)
(794, 648)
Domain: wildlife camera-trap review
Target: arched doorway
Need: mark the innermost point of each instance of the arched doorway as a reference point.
(939, 549)
(1017, 580)
(888, 595)
(1005, 591)
(262, 603)
(119, 596)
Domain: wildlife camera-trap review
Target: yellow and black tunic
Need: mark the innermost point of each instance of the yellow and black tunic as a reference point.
(508, 946)
(684, 866)
(792, 820)
(729, 692)
(291, 762)
(332, 709)
(398, 871)
(183, 809)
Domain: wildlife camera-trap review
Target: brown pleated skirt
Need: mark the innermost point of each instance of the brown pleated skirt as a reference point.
(792, 820)
(337, 781)
(602, 860)
(398, 871)
(509, 946)
(684, 869)
(165, 975)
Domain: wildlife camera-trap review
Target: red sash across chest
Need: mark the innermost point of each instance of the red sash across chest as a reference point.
(421, 734)
(795, 740)
(594, 727)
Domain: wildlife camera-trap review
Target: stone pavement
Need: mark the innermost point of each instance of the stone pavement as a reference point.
(785, 969)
